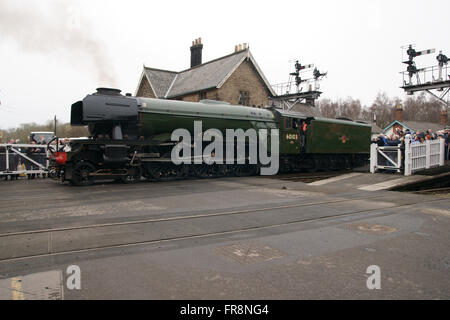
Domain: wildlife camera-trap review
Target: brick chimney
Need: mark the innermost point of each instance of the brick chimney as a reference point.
(399, 113)
(443, 117)
(196, 52)
(240, 47)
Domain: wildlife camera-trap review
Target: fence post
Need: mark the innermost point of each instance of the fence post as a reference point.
(373, 157)
(427, 154)
(408, 160)
(7, 158)
(442, 152)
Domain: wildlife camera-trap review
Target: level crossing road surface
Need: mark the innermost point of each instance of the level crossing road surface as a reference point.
(227, 238)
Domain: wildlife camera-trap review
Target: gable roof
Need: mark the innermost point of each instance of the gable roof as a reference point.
(416, 125)
(212, 74)
(160, 80)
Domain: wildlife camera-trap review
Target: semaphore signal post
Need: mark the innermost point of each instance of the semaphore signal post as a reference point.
(433, 79)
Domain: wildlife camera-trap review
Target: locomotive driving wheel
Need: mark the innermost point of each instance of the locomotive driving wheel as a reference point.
(133, 177)
(81, 174)
(205, 171)
(244, 170)
(158, 171)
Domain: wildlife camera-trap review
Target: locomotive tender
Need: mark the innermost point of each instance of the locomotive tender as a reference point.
(131, 138)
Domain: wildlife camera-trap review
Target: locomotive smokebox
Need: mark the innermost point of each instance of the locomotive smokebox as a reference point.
(106, 105)
(104, 110)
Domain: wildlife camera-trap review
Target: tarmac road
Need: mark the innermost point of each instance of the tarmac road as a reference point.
(230, 238)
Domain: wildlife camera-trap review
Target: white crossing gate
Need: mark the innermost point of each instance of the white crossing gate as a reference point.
(408, 157)
(386, 158)
(12, 156)
(419, 156)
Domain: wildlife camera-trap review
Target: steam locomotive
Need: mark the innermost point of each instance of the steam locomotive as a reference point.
(131, 138)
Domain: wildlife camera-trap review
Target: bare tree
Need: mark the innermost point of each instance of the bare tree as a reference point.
(23, 131)
(422, 107)
(348, 108)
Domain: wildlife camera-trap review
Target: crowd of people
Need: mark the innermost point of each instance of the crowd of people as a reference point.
(417, 137)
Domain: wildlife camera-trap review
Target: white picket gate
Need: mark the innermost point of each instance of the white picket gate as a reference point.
(419, 156)
(408, 157)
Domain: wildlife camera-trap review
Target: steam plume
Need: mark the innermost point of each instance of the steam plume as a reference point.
(48, 29)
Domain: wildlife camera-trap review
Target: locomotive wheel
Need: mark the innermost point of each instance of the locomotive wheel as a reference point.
(81, 174)
(199, 171)
(220, 170)
(132, 178)
(205, 171)
(244, 170)
(322, 164)
(159, 171)
(182, 171)
(154, 172)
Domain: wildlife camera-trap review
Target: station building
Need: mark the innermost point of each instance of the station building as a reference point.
(235, 78)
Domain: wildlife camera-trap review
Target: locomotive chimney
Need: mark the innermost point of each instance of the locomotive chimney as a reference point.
(399, 113)
(108, 91)
(196, 52)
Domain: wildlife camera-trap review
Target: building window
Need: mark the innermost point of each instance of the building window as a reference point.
(243, 98)
(202, 95)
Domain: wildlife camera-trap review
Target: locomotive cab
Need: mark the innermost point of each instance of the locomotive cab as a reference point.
(293, 127)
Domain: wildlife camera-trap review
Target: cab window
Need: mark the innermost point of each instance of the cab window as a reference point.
(287, 123)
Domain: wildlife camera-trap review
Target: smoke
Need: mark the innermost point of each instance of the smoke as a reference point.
(55, 28)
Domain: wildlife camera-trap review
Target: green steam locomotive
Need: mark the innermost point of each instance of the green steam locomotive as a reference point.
(132, 138)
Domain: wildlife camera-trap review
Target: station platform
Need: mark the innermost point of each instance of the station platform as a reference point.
(383, 180)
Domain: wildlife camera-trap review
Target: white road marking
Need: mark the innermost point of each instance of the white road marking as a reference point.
(325, 181)
(443, 212)
(386, 184)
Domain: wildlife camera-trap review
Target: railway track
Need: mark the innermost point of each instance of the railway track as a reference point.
(77, 239)
(445, 190)
(308, 177)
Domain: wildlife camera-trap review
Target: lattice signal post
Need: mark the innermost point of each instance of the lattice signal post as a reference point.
(290, 93)
(435, 79)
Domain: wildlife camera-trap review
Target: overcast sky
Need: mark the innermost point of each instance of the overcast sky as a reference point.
(53, 53)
